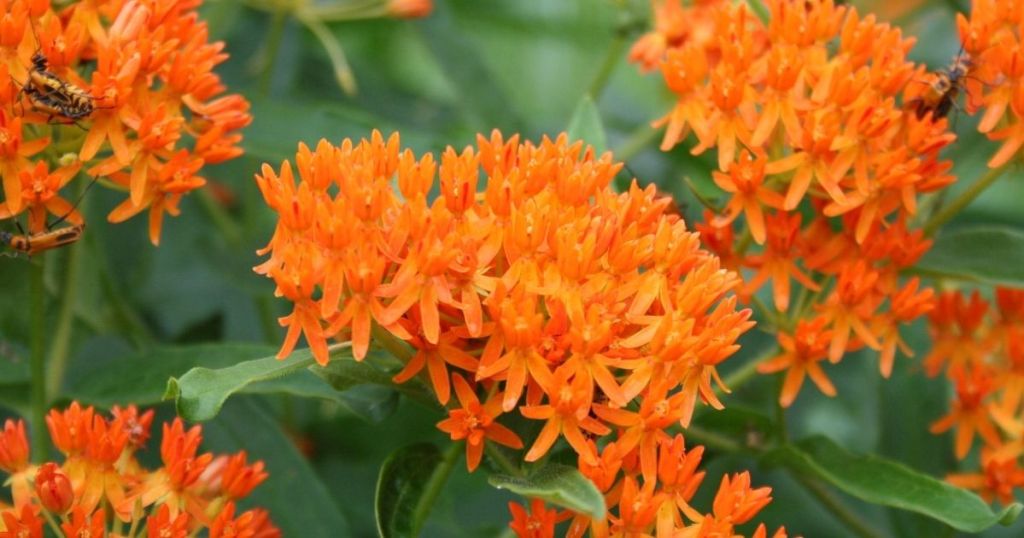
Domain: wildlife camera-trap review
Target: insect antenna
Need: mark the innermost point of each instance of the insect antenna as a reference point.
(75, 205)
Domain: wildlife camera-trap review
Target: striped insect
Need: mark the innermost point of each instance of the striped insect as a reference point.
(55, 96)
(31, 244)
(940, 97)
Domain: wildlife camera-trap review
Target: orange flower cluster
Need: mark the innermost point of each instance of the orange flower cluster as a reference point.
(823, 163)
(101, 487)
(111, 88)
(590, 311)
(994, 52)
(981, 350)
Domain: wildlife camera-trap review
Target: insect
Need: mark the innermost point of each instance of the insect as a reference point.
(54, 95)
(31, 244)
(941, 95)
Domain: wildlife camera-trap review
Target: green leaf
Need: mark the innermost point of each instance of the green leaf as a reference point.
(888, 483)
(988, 254)
(299, 503)
(585, 125)
(199, 394)
(344, 372)
(556, 484)
(141, 378)
(403, 481)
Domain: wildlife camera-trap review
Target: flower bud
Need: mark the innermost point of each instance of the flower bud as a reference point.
(54, 488)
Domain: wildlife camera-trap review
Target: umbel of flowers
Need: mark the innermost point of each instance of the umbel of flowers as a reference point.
(101, 489)
(159, 113)
(529, 286)
(825, 143)
(979, 346)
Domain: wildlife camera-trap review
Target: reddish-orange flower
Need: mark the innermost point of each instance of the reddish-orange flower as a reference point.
(801, 353)
(476, 423)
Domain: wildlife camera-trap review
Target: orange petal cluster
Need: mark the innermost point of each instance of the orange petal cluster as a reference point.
(994, 51)
(159, 112)
(525, 278)
(101, 487)
(820, 165)
(979, 346)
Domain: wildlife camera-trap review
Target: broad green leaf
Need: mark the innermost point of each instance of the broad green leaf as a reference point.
(585, 125)
(344, 373)
(199, 394)
(402, 490)
(557, 484)
(142, 378)
(888, 483)
(988, 254)
(299, 503)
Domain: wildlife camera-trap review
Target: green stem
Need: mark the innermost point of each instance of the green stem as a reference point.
(836, 507)
(963, 200)
(434, 486)
(268, 322)
(760, 10)
(38, 360)
(52, 523)
(498, 457)
(636, 142)
(269, 54)
(227, 227)
(57, 360)
(746, 372)
(711, 439)
(611, 61)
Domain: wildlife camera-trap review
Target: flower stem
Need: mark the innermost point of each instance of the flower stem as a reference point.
(746, 372)
(636, 142)
(963, 200)
(57, 360)
(498, 457)
(611, 61)
(38, 359)
(435, 484)
(836, 507)
(269, 54)
(711, 439)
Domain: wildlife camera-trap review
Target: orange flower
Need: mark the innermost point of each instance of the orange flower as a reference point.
(539, 522)
(970, 411)
(161, 525)
(22, 523)
(153, 68)
(82, 526)
(53, 488)
(801, 353)
(746, 182)
(13, 447)
(475, 423)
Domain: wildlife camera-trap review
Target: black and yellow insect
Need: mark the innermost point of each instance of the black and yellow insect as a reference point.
(54, 95)
(940, 98)
(31, 244)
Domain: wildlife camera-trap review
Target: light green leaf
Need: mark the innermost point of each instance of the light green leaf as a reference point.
(888, 483)
(199, 394)
(557, 484)
(585, 125)
(401, 485)
(988, 254)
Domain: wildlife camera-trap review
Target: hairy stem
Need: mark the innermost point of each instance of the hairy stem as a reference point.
(435, 484)
(38, 359)
(841, 512)
(958, 204)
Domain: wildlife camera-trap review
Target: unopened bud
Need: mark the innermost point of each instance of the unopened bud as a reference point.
(54, 488)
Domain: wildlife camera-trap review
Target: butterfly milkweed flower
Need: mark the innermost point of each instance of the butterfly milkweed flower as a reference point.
(526, 283)
(101, 486)
(979, 345)
(146, 119)
(821, 158)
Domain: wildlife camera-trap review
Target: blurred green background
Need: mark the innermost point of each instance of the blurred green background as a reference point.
(472, 66)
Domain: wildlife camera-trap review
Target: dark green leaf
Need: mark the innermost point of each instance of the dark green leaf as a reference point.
(200, 393)
(142, 378)
(881, 481)
(299, 503)
(993, 255)
(344, 373)
(557, 484)
(585, 125)
(403, 480)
